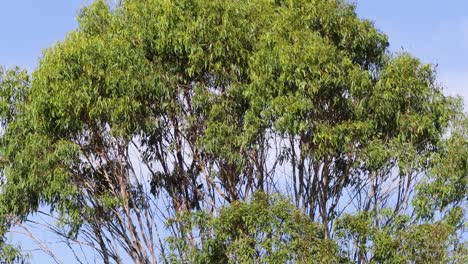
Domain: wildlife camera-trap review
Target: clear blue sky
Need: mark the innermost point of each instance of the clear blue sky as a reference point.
(434, 30)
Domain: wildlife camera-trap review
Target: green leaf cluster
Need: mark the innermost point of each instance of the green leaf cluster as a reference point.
(266, 229)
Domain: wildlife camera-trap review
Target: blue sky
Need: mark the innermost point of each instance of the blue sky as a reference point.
(435, 31)
(29, 26)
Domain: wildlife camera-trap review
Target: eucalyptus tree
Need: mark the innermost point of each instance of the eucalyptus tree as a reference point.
(155, 109)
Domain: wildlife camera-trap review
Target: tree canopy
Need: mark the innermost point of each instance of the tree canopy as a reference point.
(217, 131)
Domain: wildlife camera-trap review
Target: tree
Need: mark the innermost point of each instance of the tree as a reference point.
(267, 229)
(155, 109)
(14, 84)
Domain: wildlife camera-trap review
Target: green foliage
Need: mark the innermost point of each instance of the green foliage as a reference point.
(196, 104)
(446, 187)
(11, 255)
(375, 241)
(14, 84)
(267, 229)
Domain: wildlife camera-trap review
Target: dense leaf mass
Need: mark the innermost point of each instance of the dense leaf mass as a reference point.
(259, 131)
